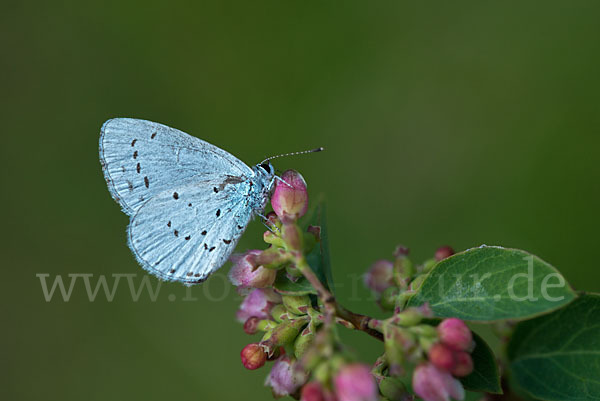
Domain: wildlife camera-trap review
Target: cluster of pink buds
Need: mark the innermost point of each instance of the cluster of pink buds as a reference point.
(395, 281)
(351, 382)
(283, 319)
(449, 357)
(296, 331)
(408, 339)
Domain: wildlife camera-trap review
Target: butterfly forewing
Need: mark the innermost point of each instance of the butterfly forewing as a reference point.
(141, 159)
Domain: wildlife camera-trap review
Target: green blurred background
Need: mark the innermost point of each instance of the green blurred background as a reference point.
(456, 123)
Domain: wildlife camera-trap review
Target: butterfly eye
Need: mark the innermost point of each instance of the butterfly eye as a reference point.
(266, 167)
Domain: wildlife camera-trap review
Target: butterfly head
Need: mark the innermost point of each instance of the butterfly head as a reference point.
(264, 174)
(266, 168)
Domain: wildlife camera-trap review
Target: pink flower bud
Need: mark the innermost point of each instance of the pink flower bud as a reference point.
(253, 356)
(258, 303)
(284, 378)
(312, 391)
(443, 252)
(245, 274)
(442, 357)
(354, 382)
(380, 276)
(290, 198)
(464, 364)
(401, 251)
(454, 333)
(251, 325)
(433, 384)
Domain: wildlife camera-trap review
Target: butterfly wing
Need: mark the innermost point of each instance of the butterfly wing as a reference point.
(141, 159)
(186, 233)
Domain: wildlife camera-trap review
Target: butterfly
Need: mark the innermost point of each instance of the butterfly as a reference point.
(189, 202)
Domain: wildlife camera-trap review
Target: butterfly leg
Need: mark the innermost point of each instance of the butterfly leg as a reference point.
(270, 228)
(282, 180)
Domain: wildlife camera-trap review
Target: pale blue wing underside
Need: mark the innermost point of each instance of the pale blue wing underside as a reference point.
(141, 159)
(184, 234)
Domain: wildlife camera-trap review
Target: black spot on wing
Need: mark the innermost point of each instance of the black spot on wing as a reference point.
(227, 241)
(188, 237)
(146, 182)
(239, 227)
(175, 195)
(138, 168)
(216, 190)
(212, 248)
(203, 232)
(133, 142)
(130, 185)
(189, 204)
(205, 246)
(169, 223)
(153, 136)
(135, 154)
(218, 212)
(176, 233)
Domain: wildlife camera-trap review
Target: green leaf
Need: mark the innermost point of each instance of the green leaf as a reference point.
(285, 286)
(318, 259)
(485, 376)
(557, 357)
(471, 396)
(493, 283)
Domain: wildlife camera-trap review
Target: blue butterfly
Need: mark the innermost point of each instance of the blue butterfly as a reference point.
(189, 201)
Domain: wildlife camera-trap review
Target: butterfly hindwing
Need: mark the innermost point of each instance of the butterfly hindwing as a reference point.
(185, 234)
(141, 159)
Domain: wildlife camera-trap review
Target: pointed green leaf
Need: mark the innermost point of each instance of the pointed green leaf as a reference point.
(493, 283)
(556, 357)
(319, 259)
(485, 376)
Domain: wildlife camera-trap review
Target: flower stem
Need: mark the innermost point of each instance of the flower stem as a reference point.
(332, 308)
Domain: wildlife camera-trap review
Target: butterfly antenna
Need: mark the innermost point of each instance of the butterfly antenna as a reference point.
(293, 154)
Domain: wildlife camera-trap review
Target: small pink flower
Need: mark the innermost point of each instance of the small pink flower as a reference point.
(253, 356)
(443, 252)
(290, 198)
(433, 384)
(284, 379)
(464, 364)
(454, 333)
(380, 276)
(442, 357)
(244, 274)
(354, 382)
(258, 303)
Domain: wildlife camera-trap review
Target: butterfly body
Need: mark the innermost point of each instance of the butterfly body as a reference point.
(189, 201)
